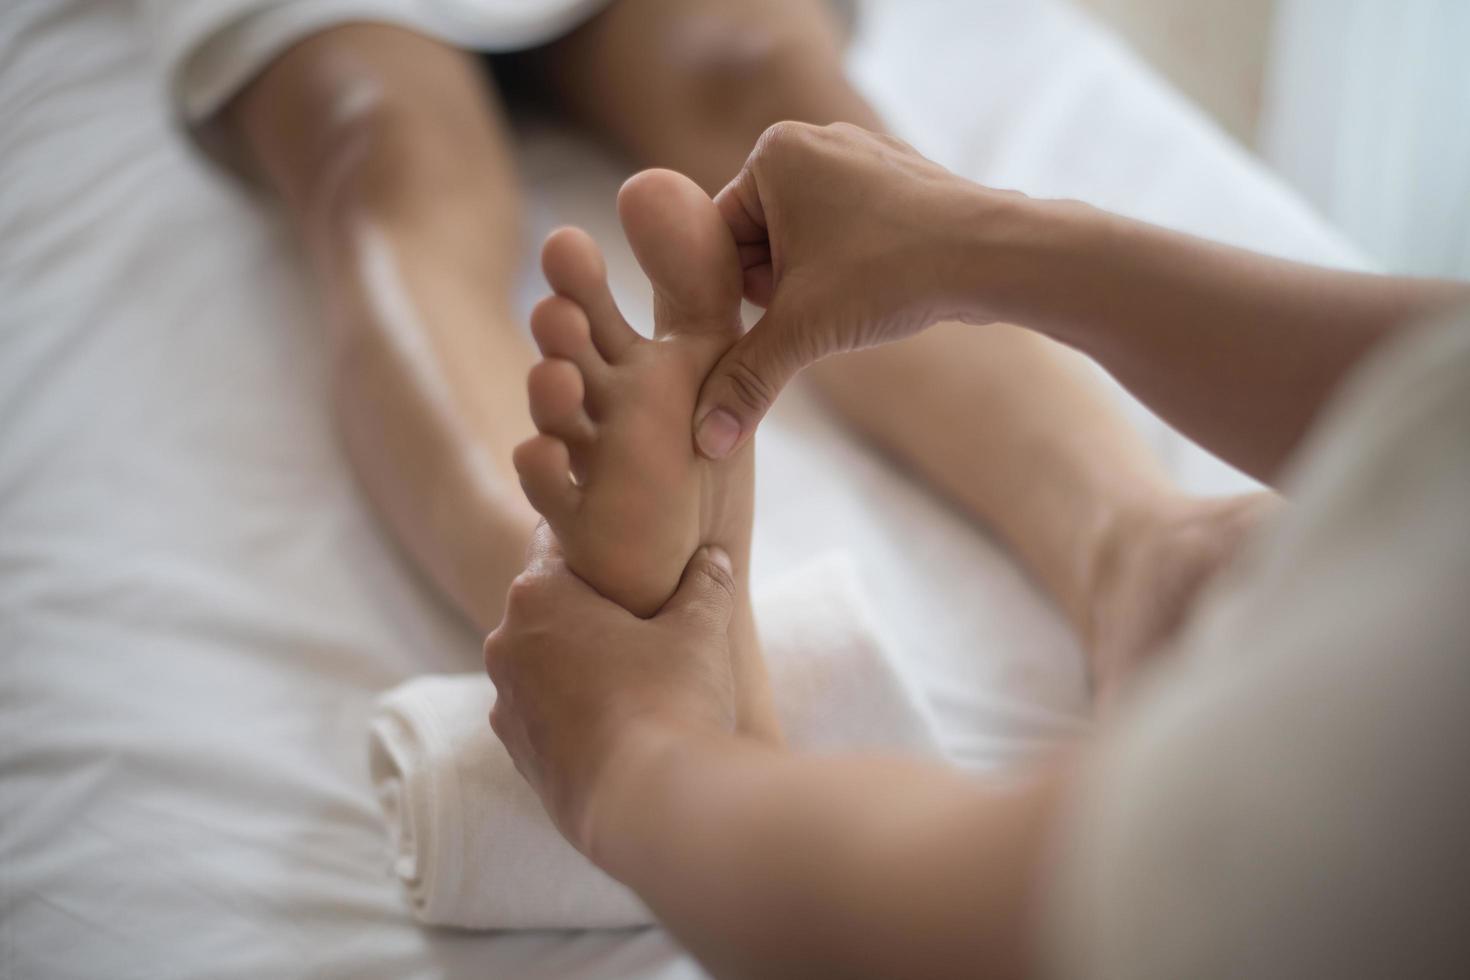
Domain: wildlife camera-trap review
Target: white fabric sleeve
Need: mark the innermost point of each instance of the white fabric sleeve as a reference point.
(208, 50)
(1291, 798)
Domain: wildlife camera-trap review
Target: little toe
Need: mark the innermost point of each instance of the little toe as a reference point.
(544, 466)
(687, 252)
(575, 269)
(556, 391)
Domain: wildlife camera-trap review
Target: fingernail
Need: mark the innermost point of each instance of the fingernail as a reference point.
(717, 434)
(719, 556)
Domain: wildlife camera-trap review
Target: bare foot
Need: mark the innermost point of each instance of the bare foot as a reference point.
(1149, 573)
(614, 470)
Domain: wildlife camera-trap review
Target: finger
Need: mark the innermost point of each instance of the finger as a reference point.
(547, 571)
(753, 255)
(508, 726)
(706, 593)
(739, 203)
(496, 653)
(543, 553)
(740, 390)
(758, 275)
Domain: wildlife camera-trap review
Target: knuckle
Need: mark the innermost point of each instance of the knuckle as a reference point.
(718, 578)
(500, 722)
(782, 135)
(499, 661)
(525, 593)
(889, 140)
(750, 386)
(490, 651)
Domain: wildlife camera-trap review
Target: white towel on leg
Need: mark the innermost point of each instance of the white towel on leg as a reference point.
(209, 49)
(475, 849)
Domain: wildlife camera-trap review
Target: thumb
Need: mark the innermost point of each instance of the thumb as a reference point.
(743, 386)
(707, 590)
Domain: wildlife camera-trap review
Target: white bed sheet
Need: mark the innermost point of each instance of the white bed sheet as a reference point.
(197, 606)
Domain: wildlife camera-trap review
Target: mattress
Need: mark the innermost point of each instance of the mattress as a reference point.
(197, 606)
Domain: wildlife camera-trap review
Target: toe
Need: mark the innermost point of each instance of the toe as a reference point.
(556, 391)
(686, 250)
(576, 271)
(562, 330)
(544, 465)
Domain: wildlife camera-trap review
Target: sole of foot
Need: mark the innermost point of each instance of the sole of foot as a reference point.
(613, 468)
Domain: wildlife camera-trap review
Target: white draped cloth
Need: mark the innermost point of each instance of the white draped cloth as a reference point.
(208, 49)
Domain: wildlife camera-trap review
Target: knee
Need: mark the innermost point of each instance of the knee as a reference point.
(339, 115)
(757, 71)
(348, 127)
(383, 155)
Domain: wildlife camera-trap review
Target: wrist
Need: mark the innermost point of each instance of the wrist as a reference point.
(620, 809)
(1019, 258)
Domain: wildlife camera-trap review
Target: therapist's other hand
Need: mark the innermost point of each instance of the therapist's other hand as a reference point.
(578, 678)
(849, 239)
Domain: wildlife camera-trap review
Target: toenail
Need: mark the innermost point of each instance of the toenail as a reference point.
(717, 434)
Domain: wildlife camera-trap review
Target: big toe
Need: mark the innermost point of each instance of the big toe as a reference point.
(685, 249)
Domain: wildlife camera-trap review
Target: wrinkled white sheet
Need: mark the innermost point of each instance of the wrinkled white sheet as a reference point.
(197, 606)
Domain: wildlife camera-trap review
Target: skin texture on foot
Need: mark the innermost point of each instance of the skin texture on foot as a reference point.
(614, 470)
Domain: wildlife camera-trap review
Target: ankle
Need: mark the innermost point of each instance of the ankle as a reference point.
(1147, 573)
(1113, 541)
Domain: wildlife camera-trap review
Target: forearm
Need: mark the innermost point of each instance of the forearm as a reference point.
(1236, 349)
(768, 864)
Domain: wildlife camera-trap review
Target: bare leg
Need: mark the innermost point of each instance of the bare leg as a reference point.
(1031, 442)
(1007, 423)
(700, 80)
(389, 152)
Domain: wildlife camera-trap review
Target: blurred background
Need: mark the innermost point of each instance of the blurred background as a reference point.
(1362, 105)
(199, 606)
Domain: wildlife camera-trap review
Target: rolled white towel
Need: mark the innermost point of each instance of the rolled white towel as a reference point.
(473, 847)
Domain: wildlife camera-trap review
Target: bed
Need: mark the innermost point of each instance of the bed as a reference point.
(197, 606)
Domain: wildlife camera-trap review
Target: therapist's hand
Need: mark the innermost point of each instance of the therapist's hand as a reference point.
(579, 679)
(849, 239)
